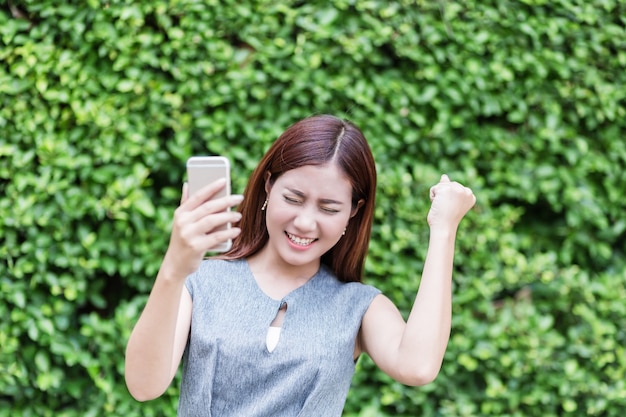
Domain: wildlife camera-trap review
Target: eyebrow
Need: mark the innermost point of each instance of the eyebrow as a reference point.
(323, 200)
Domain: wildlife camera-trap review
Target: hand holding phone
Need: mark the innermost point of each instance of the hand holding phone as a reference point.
(203, 170)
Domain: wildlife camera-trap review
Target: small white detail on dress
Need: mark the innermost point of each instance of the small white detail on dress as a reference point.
(271, 340)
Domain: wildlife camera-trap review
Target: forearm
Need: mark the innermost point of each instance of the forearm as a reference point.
(151, 348)
(428, 327)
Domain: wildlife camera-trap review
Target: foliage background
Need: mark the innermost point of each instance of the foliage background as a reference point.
(523, 100)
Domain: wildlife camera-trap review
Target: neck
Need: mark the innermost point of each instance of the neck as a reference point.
(277, 278)
(269, 264)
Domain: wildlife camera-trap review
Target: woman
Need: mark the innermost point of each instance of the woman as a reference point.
(274, 326)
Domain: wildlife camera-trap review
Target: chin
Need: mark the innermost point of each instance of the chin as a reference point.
(296, 259)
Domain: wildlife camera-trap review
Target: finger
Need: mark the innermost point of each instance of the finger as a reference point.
(206, 193)
(216, 236)
(218, 205)
(444, 178)
(214, 240)
(223, 235)
(201, 243)
(214, 222)
(222, 203)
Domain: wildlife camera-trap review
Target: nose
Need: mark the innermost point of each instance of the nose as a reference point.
(305, 221)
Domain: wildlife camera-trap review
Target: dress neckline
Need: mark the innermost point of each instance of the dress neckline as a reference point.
(290, 295)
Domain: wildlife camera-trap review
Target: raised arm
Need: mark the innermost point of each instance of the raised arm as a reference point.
(157, 342)
(412, 352)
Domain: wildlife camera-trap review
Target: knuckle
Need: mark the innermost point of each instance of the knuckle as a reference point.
(178, 213)
(197, 246)
(186, 237)
(178, 224)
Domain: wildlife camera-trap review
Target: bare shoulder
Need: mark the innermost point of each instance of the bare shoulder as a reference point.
(382, 324)
(381, 312)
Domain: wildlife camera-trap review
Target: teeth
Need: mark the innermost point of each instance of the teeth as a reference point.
(299, 241)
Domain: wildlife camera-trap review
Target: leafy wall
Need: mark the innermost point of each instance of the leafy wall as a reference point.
(101, 102)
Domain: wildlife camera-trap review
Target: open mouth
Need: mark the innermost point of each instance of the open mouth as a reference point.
(299, 240)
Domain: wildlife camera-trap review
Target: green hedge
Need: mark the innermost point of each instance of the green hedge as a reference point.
(525, 101)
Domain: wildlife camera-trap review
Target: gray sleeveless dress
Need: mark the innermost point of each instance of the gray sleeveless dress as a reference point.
(229, 372)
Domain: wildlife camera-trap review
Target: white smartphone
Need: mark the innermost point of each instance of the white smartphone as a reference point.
(203, 170)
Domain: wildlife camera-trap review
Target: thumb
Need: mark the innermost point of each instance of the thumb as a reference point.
(444, 178)
(185, 193)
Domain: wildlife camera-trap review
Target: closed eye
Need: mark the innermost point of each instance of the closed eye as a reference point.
(292, 200)
(297, 198)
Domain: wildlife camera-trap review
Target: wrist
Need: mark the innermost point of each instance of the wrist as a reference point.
(171, 271)
(443, 232)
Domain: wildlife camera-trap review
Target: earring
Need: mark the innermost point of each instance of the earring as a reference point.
(344, 231)
(264, 205)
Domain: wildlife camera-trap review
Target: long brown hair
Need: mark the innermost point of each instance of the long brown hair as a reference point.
(315, 140)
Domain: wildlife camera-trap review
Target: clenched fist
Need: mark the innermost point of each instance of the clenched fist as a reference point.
(450, 202)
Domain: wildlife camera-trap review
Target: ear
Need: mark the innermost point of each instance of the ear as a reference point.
(268, 183)
(355, 210)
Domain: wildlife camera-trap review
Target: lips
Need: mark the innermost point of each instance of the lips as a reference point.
(300, 241)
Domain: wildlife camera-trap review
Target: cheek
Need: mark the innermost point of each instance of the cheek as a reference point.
(338, 225)
(276, 214)
(270, 218)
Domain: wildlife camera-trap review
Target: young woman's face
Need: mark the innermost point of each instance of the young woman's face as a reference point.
(307, 212)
